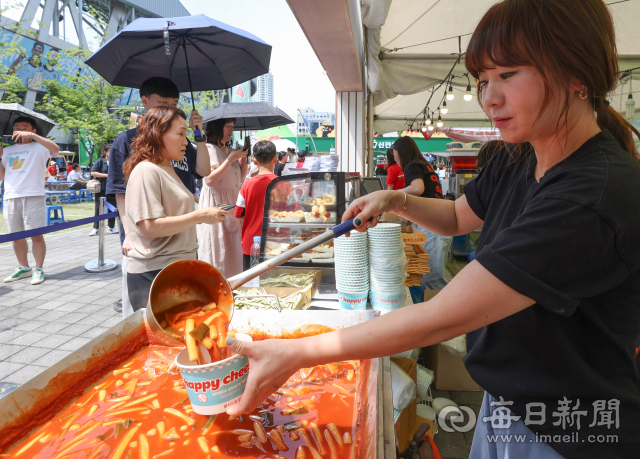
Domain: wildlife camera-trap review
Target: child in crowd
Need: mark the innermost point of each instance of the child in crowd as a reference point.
(250, 203)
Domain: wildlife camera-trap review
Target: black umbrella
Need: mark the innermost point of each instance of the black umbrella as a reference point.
(250, 116)
(197, 53)
(9, 113)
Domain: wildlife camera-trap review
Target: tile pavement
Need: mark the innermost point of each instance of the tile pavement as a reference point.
(42, 324)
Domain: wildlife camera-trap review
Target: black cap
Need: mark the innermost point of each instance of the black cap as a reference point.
(302, 153)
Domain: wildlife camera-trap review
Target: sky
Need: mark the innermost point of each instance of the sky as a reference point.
(299, 79)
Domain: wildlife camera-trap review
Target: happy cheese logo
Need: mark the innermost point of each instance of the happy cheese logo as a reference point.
(15, 162)
(214, 384)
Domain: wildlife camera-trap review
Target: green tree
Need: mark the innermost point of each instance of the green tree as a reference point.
(85, 107)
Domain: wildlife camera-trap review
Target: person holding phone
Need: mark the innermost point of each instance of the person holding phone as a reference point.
(221, 245)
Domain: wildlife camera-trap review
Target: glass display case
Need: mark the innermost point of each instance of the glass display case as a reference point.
(298, 208)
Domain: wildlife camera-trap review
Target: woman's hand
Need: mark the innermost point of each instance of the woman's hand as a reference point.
(235, 155)
(271, 363)
(212, 215)
(373, 205)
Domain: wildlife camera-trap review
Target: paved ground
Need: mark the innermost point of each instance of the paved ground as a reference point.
(457, 445)
(41, 324)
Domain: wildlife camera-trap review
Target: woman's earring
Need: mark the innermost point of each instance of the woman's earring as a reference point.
(583, 93)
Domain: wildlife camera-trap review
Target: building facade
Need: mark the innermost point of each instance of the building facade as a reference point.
(264, 89)
(312, 120)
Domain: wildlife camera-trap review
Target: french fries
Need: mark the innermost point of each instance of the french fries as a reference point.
(300, 454)
(332, 447)
(314, 452)
(192, 348)
(315, 431)
(260, 433)
(277, 440)
(204, 446)
(222, 335)
(346, 438)
(182, 416)
(336, 433)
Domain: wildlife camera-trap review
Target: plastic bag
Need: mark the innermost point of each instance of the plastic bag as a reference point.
(456, 346)
(403, 388)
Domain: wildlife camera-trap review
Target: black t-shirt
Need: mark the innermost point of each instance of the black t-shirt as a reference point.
(569, 243)
(121, 149)
(278, 169)
(101, 166)
(432, 188)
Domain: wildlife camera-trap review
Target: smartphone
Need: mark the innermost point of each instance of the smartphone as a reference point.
(8, 140)
(247, 145)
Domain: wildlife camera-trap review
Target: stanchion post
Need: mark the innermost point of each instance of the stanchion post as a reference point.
(101, 265)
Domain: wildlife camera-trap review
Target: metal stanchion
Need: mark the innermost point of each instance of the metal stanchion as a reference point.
(101, 265)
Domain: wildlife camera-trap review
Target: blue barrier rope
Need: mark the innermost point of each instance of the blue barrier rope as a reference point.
(50, 229)
(110, 207)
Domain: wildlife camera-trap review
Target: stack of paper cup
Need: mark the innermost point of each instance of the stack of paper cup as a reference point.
(352, 270)
(388, 266)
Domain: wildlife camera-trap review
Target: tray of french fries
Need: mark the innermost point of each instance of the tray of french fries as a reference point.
(121, 396)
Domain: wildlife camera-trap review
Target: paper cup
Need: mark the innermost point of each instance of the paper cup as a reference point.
(387, 301)
(353, 300)
(214, 387)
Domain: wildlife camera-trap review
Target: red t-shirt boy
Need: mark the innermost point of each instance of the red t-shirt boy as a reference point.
(250, 204)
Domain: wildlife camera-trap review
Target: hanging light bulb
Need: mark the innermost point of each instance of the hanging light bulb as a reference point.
(439, 123)
(428, 120)
(467, 95)
(450, 94)
(431, 128)
(444, 110)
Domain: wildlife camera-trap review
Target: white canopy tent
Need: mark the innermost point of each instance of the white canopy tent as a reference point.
(412, 46)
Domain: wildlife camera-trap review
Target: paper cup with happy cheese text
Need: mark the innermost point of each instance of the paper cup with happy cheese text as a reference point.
(214, 387)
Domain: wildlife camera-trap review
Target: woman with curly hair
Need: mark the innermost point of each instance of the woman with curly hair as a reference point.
(220, 245)
(160, 209)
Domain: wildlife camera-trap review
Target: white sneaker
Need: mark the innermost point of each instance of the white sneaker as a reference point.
(37, 277)
(94, 232)
(114, 230)
(19, 273)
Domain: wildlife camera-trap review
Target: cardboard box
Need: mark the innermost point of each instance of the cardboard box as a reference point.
(450, 372)
(405, 425)
(283, 292)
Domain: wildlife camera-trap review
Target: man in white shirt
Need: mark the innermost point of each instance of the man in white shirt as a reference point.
(22, 167)
(76, 177)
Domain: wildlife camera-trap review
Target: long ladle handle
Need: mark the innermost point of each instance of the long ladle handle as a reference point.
(336, 231)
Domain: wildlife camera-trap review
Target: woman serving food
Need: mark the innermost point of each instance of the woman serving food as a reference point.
(551, 304)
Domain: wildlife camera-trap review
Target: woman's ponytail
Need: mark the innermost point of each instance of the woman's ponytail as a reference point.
(618, 126)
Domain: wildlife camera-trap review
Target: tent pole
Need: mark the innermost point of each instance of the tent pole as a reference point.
(370, 135)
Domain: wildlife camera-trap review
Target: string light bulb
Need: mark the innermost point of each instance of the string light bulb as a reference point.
(428, 120)
(467, 95)
(431, 128)
(450, 94)
(439, 123)
(444, 110)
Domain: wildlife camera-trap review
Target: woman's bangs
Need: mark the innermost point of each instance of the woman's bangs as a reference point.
(497, 41)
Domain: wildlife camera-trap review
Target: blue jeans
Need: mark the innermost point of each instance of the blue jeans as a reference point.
(526, 448)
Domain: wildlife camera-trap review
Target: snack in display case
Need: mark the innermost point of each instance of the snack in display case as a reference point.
(329, 201)
(286, 217)
(320, 214)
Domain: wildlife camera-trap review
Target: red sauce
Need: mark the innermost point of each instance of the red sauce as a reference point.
(141, 410)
